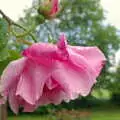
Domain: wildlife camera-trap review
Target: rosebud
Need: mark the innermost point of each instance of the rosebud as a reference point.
(49, 9)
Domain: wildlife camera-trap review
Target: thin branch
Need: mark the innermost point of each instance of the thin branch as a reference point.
(32, 36)
(24, 41)
(11, 22)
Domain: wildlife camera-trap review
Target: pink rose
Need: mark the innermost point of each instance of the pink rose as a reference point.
(51, 73)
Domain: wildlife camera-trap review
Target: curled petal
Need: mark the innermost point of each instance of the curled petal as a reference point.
(33, 75)
(11, 74)
(74, 80)
(54, 96)
(13, 101)
(62, 42)
(94, 57)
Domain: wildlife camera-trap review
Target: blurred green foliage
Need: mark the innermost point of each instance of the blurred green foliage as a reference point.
(3, 39)
(3, 33)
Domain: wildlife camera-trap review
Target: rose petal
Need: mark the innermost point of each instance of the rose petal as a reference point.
(42, 53)
(11, 74)
(94, 57)
(32, 80)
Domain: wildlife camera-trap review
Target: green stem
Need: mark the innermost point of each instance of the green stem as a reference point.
(11, 22)
(26, 32)
(24, 41)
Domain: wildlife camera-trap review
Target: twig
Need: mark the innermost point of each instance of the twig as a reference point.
(11, 22)
(6, 17)
(32, 36)
(24, 41)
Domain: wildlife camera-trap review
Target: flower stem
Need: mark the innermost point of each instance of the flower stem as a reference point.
(11, 22)
(24, 41)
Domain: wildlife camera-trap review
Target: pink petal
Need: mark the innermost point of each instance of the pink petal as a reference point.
(55, 95)
(41, 53)
(94, 57)
(13, 101)
(51, 83)
(62, 42)
(32, 80)
(75, 81)
(12, 73)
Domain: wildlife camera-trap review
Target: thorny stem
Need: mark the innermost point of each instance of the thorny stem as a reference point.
(11, 22)
(24, 41)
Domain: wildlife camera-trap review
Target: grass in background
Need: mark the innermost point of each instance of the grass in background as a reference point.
(96, 114)
(108, 114)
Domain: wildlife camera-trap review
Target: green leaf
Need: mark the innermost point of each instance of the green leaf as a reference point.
(12, 55)
(3, 64)
(4, 54)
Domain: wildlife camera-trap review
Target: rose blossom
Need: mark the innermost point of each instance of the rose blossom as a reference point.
(49, 73)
